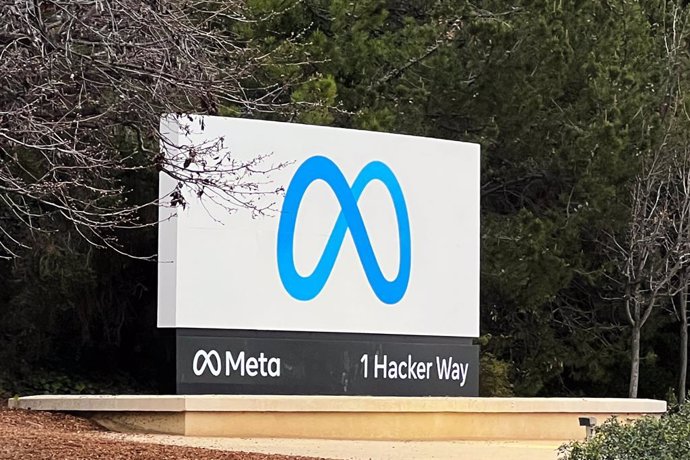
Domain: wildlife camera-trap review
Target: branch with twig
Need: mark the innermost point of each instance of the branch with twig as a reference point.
(82, 86)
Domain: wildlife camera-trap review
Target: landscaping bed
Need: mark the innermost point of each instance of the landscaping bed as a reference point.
(42, 435)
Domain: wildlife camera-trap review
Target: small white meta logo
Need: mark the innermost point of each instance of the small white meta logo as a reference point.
(211, 360)
(261, 366)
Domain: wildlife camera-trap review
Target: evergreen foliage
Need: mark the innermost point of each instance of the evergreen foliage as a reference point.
(565, 99)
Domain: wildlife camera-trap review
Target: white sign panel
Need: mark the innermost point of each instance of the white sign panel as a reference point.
(375, 233)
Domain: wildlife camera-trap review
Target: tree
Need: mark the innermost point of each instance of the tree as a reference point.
(564, 97)
(553, 92)
(681, 196)
(657, 245)
(82, 86)
(678, 64)
(653, 254)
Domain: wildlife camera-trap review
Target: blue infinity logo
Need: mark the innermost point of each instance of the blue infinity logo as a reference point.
(321, 168)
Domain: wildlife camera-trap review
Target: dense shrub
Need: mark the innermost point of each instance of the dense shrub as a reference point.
(665, 438)
(494, 377)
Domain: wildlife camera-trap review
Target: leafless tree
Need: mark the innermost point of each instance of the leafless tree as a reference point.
(83, 84)
(653, 255)
(681, 196)
(656, 251)
(676, 44)
(647, 259)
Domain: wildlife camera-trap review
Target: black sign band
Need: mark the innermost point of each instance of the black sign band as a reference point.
(253, 362)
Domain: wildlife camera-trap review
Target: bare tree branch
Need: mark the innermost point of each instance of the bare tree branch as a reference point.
(83, 84)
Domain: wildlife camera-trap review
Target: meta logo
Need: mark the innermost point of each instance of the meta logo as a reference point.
(238, 363)
(321, 168)
(204, 359)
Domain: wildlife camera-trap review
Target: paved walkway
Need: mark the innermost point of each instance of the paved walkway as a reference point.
(367, 450)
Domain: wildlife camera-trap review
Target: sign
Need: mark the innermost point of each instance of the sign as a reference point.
(328, 364)
(375, 234)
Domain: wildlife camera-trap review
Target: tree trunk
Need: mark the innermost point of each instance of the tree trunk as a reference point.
(635, 360)
(682, 380)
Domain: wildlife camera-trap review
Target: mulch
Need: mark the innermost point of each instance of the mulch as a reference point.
(30, 435)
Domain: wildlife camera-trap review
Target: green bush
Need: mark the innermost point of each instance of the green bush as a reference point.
(665, 438)
(494, 377)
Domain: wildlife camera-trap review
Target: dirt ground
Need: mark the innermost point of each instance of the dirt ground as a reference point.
(40, 435)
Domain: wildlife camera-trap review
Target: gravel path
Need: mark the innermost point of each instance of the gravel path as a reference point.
(30, 435)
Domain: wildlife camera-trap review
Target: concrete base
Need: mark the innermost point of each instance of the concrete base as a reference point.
(347, 417)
